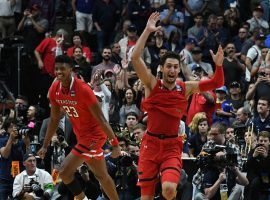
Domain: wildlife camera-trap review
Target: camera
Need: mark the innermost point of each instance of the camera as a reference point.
(262, 74)
(208, 158)
(259, 145)
(36, 188)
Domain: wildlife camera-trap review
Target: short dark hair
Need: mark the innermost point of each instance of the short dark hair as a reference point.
(106, 47)
(220, 126)
(63, 59)
(264, 134)
(8, 122)
(169, 54)
(139, 126)
(265, 99)
(23, 98)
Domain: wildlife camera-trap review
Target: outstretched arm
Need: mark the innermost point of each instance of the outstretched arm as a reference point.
(139, 65)
(215, 82)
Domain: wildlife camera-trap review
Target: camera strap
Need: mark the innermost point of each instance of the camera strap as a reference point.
(15, 168)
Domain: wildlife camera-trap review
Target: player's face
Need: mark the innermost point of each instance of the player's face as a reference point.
(170, 70)
(62, 72)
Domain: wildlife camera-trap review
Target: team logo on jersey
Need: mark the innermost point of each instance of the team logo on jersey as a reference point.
(178, 88)
(72, 93)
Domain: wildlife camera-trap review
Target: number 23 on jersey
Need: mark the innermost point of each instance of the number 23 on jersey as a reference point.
(71, 111)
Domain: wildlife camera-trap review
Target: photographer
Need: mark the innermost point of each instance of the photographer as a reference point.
(11, 156)
(57, 151)
(32, 183)
(258, 169)
(216, 137)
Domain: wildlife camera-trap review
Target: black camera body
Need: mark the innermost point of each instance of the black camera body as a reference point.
(36, 188)
(208, 159)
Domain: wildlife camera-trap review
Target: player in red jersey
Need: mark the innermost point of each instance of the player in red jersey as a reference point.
(91, 128)
(165, 102)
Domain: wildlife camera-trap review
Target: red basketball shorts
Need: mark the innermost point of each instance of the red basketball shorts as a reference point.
(89, 148)
(159, 157)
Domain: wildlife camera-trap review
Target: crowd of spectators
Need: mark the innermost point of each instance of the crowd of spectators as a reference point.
(233, 120)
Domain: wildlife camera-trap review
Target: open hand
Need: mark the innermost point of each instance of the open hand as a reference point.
(151, 23)
(218, 57)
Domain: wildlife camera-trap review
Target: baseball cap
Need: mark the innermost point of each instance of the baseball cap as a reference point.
(191, 41)
(35, 7)
(235, 84)
(258, 8)
(108, 71)
(196, 50)
(132, 28)
(27, 155)
(222, 89)
(198, 67)
(260, 36)
(62, 31)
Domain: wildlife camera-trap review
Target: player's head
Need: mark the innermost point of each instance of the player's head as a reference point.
(63, 68)
(170, 67)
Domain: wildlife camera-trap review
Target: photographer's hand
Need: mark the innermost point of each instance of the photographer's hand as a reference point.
(13, 134)
(259, 151)
(28, 196)
(222, 176)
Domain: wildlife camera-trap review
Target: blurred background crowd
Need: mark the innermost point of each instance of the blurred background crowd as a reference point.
(225, 129)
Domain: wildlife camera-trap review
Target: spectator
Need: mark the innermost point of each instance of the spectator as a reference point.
(198, 29)
(45, 54)
(262, 121)
(138, 132)
(199, 138)
(243, 117)
(172, 19)
(106, 63)
(128, 42)
(23, 186)
(260, 88)
(224, 107)
(83, 12)
(77, 42)
(82, 68)
(234, 70)
(257, 20)
(197, 58)
(239, 40)
(33, 27)
(201, 102)
(186, 52)
(236, 96)
(11, 156)
(201, 178)
(48, 10)
(173, 43)
(105, 19)
(232, 20)
(116, 50)
(223, 32)
(128, 105)
(254, 54)
(193, 9)
(122, 33)
(258, 168)
(138, 12)
(264, 61)
(210, 39)
(7, 20)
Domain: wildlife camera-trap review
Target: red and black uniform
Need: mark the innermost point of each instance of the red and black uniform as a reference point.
(76, 103)
(161, 148)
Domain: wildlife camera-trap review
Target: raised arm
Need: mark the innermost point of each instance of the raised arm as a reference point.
(139, 65)
(215, 82)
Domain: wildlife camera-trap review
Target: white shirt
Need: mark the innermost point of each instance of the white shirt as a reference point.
(41, 176)
(6, 9)
(253, 52)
